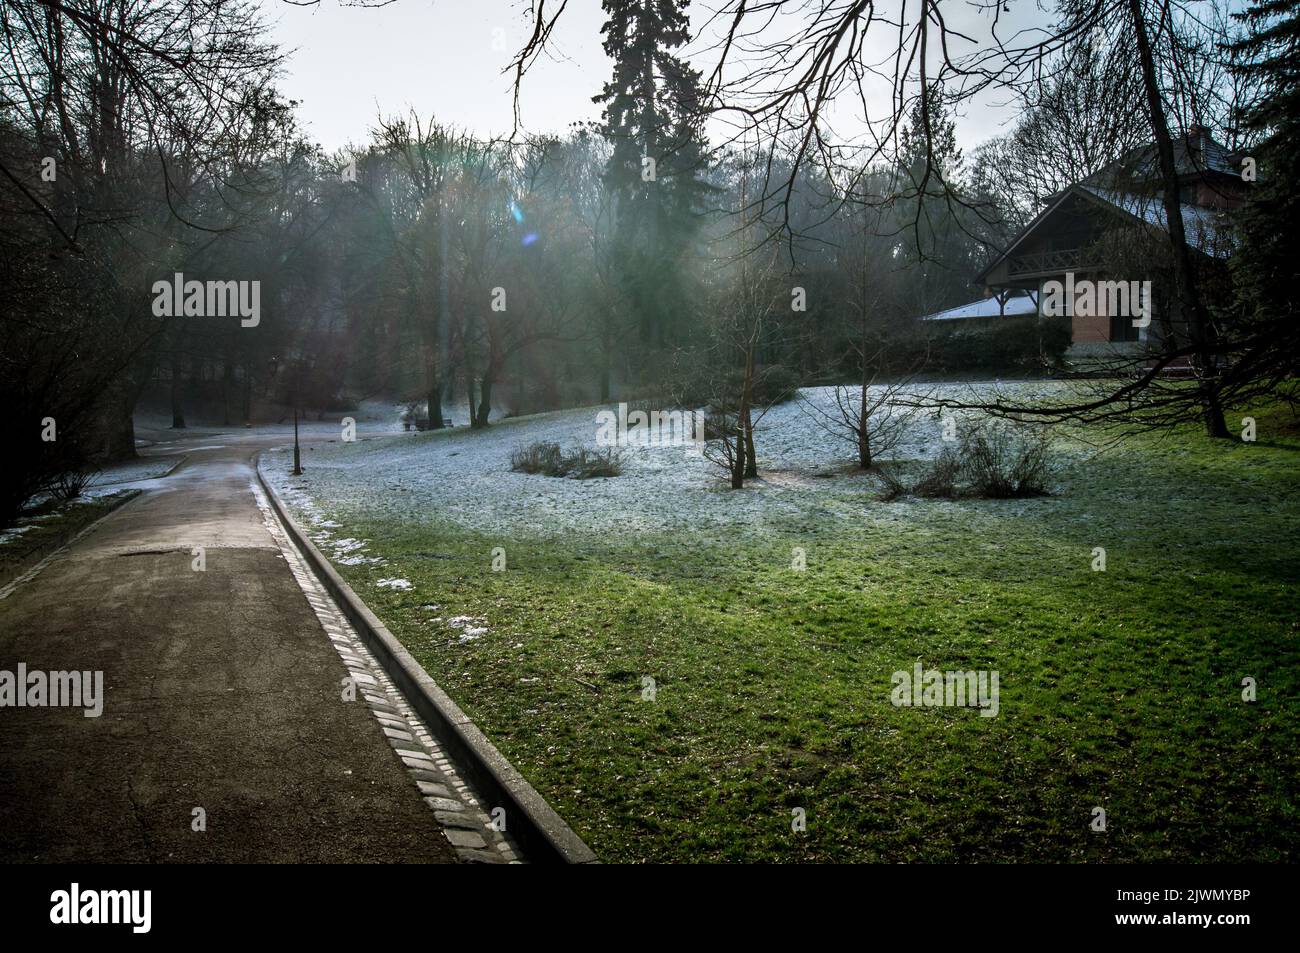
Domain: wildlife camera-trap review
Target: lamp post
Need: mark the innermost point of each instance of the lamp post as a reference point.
(297, 458)
(293, 398)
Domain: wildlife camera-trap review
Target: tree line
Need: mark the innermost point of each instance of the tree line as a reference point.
(637, 256)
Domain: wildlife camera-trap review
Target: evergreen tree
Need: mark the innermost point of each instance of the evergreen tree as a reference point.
(1266, 268)
(652, 119)
(934, 219)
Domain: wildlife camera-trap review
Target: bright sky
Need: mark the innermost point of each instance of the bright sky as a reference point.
(444, 58)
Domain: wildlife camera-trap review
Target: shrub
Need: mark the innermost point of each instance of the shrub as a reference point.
(547, 458)
(941, 479)
(541, 457)
(693, 383)
(1005, 345)
(892, 486)
(1002, 460)
(774, 384)
(717, 426)
(585, 464)
(72, 483)
(995, 460)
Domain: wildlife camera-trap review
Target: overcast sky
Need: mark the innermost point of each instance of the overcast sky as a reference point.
(444, 58)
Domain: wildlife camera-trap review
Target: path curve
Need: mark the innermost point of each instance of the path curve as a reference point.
(221, 693)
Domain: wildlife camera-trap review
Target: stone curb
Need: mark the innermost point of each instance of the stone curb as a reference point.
(532, 822)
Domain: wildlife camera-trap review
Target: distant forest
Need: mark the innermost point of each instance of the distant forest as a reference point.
(630, 258)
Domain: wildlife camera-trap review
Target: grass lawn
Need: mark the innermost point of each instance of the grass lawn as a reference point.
(1119, 689)
(39, 533)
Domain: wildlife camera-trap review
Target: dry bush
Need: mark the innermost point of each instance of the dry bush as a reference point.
(72, 483)
(542, 457)
(1001, 460)
(547, 458)
(941, 479)
(994, 460)
(584, 464)
(892, 485)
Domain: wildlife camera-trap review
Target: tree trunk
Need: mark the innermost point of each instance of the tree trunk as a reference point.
(435, 406)
(117, 424)
(121, 438)
(864, 423)
(1192, 307)
(227, 375)
(864, 448)
(469, 396)
(1215, 425)
(751, 461)
(178, 415)
(604, 374)
(864, 430)
(738, 458)
(740, 463)
(433, 390)
(485, 401)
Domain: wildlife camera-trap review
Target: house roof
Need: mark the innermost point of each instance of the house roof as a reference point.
(1201, 225)
(1127, 186)
(1195, 154)
(990, 307)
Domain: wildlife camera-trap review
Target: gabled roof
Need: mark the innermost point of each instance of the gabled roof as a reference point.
(1200, 224)
(990, 307)
(1195, 154)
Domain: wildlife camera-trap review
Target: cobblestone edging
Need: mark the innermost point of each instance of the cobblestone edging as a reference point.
(462, 815)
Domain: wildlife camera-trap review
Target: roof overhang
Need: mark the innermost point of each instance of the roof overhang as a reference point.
(1054, 203)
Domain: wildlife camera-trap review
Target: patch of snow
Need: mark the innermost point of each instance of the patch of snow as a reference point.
(215, 446)
(14, 532)
(471, 627)
(146, 468)
(394, 583)
(461, 621)
(463, 476)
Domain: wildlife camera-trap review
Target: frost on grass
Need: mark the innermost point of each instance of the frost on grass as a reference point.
(806, 476)
(343, 552)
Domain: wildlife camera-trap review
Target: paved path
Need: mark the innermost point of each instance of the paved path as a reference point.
(222, 692)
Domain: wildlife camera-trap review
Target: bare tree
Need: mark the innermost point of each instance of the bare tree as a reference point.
(1075, 125)
(779, 66)
(419, 216)
(727, 374)
(871, 415)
